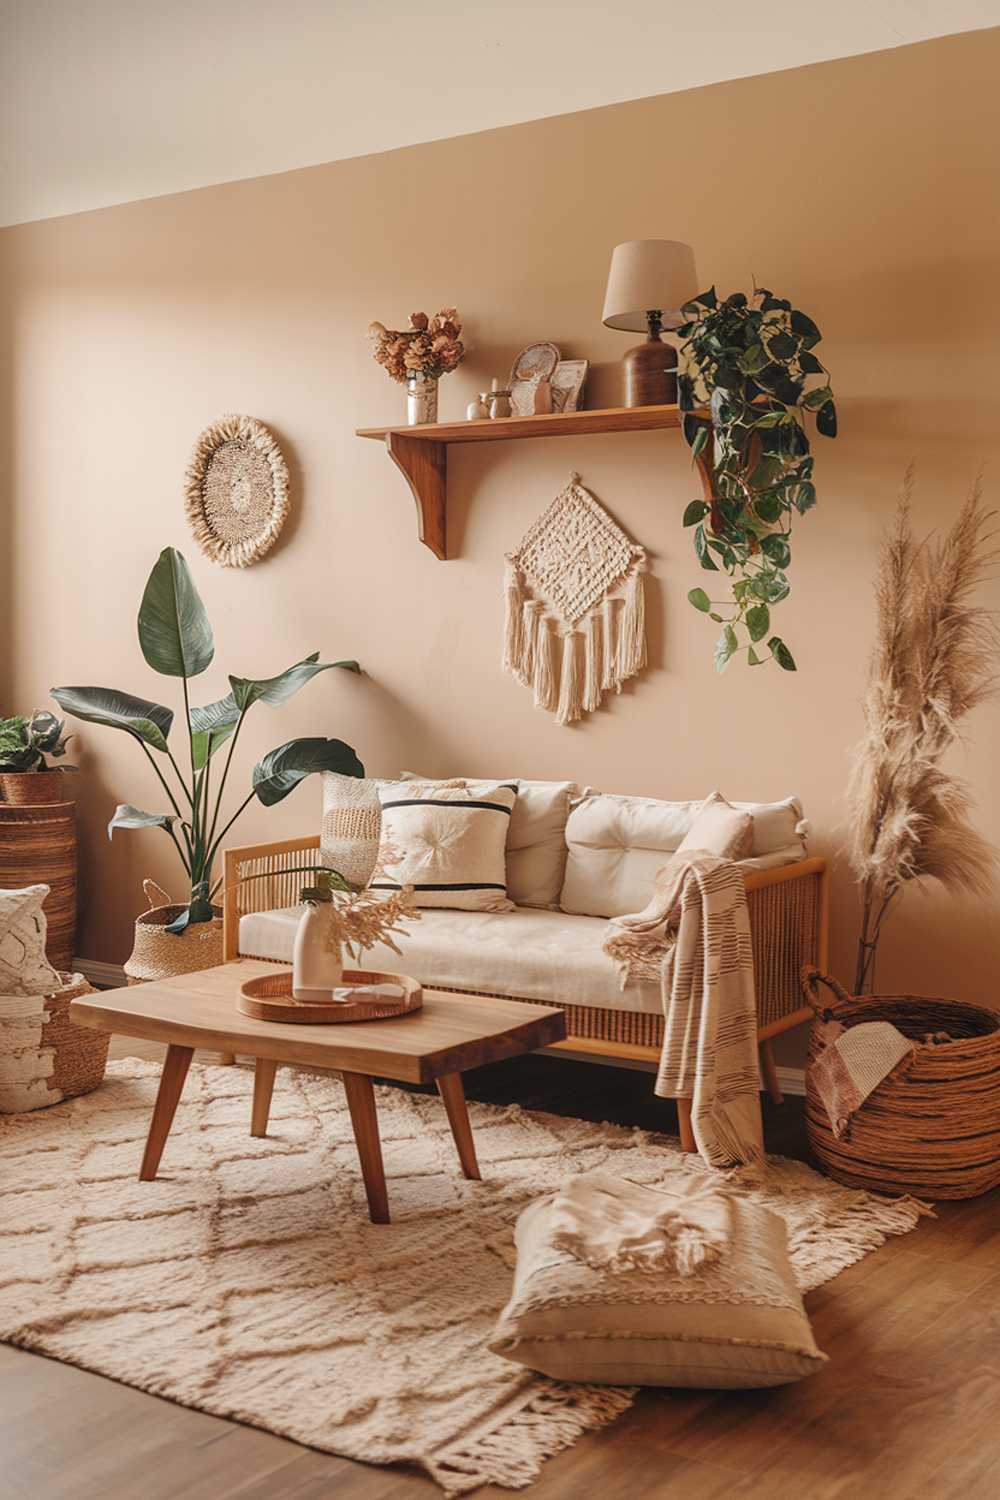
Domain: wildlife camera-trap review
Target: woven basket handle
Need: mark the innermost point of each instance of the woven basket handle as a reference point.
(155, 894)
(811, 978)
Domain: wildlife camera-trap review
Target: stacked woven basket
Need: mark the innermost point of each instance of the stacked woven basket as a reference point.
(932, 1126)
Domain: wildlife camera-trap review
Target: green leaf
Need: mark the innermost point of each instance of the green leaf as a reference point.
(174, 633)
(819, 397)
(149, 722)
(701, 438)
(694, 512)
(701, 549)
(752, 359)
(781, 653)
(805, 328)
(767, 471)
(700, 600)
(692, 425)
(707, 299)
(769, 508)
(782, 346)
(805, 498)
(211, 727)
(777, 549)
(826, 420)
(771, 587)
(282, 769)
(809, 364)
(277, 690)
(127, 816)
(725, 647)
(753, 659)
(758, 621)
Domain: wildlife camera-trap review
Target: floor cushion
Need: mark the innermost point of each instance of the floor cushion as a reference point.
(527, 953)
(734, 1320)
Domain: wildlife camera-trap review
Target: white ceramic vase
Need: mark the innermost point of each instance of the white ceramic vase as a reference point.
(421, 400)
(317, 968)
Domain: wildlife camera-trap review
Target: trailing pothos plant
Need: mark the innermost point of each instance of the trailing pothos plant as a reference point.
(751, 360)
(176, 639)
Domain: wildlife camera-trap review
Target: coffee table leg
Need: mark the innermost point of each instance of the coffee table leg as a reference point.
(172, 1078)
(263, 1087)
(361, 1103)
(451, 1091)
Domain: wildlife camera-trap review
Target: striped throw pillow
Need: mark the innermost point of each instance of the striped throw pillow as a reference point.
(448, 843)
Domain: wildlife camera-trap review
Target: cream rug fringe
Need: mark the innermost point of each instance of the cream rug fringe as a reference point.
(247, 1281)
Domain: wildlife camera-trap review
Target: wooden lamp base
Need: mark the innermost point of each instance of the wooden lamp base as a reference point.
(650, 373)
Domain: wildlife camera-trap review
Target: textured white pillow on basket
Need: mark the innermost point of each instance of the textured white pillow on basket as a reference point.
(616, 844)
(24, 969)
(736, 1321)
(536, 838)
(447, 842)
(351, 826)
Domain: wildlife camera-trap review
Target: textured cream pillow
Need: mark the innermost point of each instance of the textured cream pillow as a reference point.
(719, 828)
(24, 969)
(736, 1322)
(536, 839)
(351, 826)
(447, 842)
(616, 844)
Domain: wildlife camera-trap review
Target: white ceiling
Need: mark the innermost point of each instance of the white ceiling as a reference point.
(104, 101)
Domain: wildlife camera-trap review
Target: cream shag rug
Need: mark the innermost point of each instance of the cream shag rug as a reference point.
(248, 1282)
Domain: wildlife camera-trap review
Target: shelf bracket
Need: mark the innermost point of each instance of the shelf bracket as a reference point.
(424, 464)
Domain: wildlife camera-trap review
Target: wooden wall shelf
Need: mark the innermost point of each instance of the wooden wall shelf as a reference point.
(421, 453)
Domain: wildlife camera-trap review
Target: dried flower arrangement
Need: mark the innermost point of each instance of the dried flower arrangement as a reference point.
(359, 920)
(935, 659)
(429, 348)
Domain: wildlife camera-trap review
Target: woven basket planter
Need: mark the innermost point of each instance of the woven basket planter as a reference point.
(44, 1057)
(932, 1127)
(161, 955)
(38, 847)
(25, 788)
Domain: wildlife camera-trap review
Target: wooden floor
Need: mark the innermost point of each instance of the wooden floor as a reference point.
(909, 1405)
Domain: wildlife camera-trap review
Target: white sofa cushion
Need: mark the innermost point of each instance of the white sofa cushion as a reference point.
(526, 953)
(616, 844)
(447, 842)
(536, 838)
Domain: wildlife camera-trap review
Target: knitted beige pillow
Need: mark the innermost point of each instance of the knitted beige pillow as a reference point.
(447, 842)
(351, 826)
(736, 1321)
(24, 969)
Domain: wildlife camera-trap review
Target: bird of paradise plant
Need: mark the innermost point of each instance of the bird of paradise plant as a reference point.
(176, 639)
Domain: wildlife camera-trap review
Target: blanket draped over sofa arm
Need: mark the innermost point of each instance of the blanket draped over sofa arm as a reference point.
(695, 932)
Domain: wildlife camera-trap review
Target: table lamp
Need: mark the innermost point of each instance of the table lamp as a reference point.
(648, 283)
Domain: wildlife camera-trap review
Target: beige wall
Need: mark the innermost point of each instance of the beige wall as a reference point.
(864, 189)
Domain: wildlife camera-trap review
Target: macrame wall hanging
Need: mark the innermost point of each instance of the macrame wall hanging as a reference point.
(236, 491)
(575, 618)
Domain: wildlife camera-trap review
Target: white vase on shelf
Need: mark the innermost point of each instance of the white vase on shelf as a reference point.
(421, 399)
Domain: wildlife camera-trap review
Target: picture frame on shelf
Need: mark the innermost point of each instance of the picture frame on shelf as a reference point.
(568, 381)
(533, 368)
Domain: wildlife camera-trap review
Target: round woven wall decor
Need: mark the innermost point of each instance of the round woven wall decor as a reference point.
(237, 491)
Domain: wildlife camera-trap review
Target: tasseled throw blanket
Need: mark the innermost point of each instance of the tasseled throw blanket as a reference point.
(695, 937)
(621, 1226)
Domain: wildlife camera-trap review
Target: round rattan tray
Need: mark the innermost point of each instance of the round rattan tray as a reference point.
(270, 999)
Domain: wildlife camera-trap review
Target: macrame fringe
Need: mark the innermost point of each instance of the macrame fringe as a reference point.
(513, 1454)
(600, 650)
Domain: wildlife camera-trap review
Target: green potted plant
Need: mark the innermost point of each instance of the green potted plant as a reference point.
(752, 361)
(175, 637)
(25, 774)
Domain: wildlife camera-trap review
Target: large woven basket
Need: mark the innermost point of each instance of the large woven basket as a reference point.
(44, 1057)
(159, 954)
(932, 1127)
(38, 847)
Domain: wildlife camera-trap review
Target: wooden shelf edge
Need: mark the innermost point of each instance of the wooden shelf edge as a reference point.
(421, 452)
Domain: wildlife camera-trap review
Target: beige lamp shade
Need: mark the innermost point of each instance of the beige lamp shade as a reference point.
(647, 275)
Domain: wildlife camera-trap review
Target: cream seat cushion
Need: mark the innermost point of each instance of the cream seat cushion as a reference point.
(526, 953)
(734, 1322)
(616, 845)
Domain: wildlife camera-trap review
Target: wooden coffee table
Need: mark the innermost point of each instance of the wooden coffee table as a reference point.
(433, 1045)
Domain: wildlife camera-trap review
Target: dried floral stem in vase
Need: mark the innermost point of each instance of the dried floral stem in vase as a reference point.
(429, 348)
